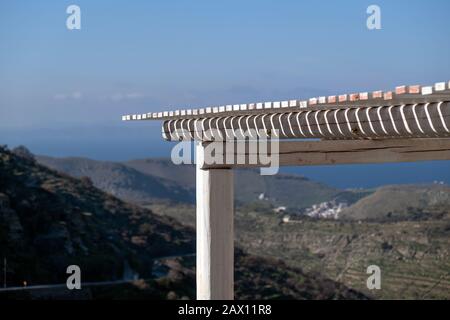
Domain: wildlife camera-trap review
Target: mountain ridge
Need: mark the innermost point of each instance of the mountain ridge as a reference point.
(251, 186)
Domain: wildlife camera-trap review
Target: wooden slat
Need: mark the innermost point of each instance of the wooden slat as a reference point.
(310, 153)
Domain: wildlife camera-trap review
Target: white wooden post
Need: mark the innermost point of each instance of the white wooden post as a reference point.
(215, 236)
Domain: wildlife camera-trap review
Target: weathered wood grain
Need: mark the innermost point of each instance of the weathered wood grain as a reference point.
(312, 153)
(215, 240)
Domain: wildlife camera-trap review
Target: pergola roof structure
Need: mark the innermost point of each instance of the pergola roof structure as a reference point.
(410, 123)
(407, 111)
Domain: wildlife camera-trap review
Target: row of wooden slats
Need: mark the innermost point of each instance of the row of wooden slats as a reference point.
(412, 120)
(400, 95)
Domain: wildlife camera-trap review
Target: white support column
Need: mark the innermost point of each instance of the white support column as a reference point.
(215, 236)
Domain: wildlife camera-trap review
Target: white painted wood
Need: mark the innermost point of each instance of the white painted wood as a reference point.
(215, 237)
(331, 152)
(400, 95)
(418, 120)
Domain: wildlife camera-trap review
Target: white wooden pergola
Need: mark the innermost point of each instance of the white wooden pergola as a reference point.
(410, 123)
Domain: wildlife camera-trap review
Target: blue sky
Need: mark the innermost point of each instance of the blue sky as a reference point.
(62, 92)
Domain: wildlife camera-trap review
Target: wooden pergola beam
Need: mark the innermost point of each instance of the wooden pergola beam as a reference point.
(328, 152)
(399, 121)
(215, 235)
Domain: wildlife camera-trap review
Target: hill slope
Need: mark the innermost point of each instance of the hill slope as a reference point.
(402, 202)
(249, 183)
(120, 180)
(138, 181)
(49, 220)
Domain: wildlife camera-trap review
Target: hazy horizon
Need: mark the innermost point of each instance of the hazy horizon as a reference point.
(62, 92)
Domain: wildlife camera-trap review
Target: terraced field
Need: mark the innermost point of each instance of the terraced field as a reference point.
(414, 256)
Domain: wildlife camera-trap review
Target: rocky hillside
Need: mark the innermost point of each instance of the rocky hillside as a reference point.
(255, 278)
(49, 220)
